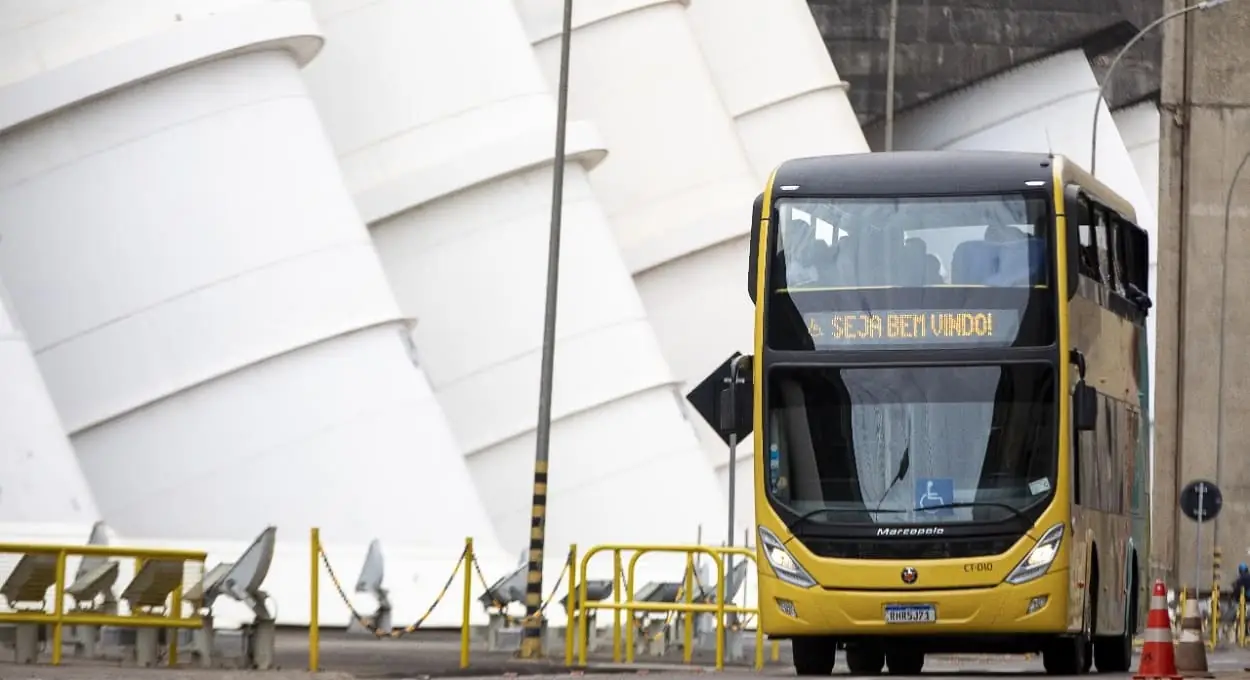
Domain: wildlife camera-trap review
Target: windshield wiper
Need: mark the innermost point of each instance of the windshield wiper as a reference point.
(976, 504)
(903, 466)
(819, 511)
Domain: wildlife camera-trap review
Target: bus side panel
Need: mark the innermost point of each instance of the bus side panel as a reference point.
(1107, 458)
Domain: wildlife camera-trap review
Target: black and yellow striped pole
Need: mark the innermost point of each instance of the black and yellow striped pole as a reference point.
(531, 640)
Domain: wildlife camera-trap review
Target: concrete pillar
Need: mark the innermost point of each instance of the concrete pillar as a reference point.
(781, 90)
(1204, 136)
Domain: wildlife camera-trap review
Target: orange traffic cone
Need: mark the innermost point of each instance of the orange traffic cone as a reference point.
(1158, 657)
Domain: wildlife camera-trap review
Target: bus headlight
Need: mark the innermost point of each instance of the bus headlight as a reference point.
(1039, 559)
(783, 563)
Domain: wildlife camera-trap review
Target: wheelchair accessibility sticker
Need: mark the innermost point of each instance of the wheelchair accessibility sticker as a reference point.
(932, 492)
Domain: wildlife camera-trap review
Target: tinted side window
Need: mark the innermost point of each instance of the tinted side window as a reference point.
(1088, 256)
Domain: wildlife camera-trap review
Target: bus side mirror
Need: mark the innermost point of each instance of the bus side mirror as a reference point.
(1084, 407)
(757, 213)
(734, 408)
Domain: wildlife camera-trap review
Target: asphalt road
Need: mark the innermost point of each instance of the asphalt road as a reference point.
(345, 658)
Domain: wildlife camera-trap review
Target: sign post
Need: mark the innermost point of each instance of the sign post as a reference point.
(1200, 501)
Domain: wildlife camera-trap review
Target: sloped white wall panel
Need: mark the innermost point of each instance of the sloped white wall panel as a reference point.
(1139, 128)
(207, 308)
(446, 139)
(772, 71)
(677, 184)
(40, 480)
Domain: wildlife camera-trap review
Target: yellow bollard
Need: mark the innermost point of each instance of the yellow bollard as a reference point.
(314, 600)
(1215, 616)
(1241, 618)
(774, 651)
(466, 606)
(571, 626)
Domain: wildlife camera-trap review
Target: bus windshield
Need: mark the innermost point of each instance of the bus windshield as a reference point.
(895, 272)
(984, 240)
(900, 445)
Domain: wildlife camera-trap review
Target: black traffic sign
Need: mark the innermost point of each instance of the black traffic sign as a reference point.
(705, 398)
(1201, 500)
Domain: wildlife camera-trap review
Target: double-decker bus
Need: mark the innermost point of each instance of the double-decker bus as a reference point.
(950, 410)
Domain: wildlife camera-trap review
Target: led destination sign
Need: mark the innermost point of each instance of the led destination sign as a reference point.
(951, 327)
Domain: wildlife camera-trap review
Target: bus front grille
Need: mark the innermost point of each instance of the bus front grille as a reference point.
(910, 549)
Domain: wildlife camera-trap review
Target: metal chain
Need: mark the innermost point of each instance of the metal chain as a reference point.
(499, 606)
(372, 626)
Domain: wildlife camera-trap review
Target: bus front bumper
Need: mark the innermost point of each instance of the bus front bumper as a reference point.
(1037, 607)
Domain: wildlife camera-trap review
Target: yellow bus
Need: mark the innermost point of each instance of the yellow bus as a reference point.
(949, 400)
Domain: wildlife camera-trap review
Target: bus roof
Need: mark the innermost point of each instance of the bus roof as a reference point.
(912, 172)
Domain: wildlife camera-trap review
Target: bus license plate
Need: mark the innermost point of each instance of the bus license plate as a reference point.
(910, 613)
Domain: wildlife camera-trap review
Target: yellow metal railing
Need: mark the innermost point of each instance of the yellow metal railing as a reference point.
(576, 605)
(58, 618)
(625, 603)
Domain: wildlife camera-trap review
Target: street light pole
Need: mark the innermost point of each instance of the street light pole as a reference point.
(1093, 142)
(531, 640)
(889, 76)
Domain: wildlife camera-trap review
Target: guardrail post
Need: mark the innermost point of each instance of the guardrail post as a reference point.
(630, 620)
(175, 606)
(583, 623)
(572, 625)
(688, 617)
(616, 600)
(58, 628)
(720, 614)
(759, 643)
(466, 604)
(314, 600)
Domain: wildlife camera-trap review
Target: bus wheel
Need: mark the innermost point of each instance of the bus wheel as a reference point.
(813, 655)
(1114, 654)
(864, 659)
(1067, 656)
(1073, 655)
(904, 662)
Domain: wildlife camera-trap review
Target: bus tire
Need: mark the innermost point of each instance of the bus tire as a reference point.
(813, 655)
(1114, 654)
(1073, 655)
(1067, 655)
(904, 662)
(864, 659)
